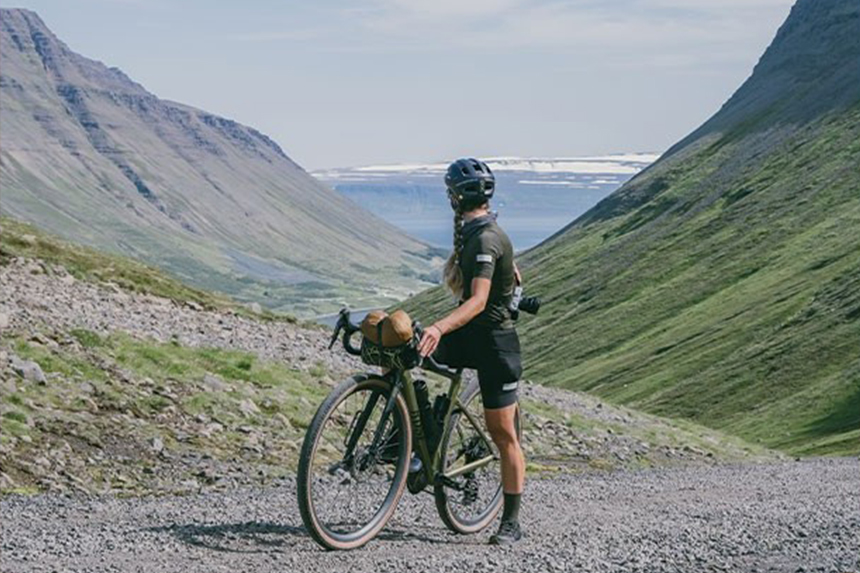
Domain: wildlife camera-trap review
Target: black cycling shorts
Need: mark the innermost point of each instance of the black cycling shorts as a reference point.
(493, 352)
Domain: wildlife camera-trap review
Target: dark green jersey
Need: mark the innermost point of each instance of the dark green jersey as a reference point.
(488, 253)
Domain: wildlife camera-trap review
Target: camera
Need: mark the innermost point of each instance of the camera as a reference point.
(529, 304)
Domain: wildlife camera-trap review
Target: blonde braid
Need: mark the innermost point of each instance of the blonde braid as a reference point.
(453, 273)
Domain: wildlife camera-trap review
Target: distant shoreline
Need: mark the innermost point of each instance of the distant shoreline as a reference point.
(330, 319)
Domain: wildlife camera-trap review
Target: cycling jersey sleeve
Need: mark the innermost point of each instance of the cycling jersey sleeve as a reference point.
(488, 252)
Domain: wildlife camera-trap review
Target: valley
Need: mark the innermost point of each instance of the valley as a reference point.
(691, 390)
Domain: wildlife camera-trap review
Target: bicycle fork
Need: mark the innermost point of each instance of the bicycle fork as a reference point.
(361, 423)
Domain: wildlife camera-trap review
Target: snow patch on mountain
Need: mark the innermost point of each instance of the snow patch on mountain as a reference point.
(620, 164)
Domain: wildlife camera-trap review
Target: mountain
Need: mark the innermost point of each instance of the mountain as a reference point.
(535, 197)
(91, 155)
(722, 284)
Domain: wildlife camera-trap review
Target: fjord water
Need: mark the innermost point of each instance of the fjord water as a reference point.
(534, 199)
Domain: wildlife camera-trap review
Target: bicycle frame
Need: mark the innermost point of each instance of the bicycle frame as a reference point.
(401, 380)
(432, 461)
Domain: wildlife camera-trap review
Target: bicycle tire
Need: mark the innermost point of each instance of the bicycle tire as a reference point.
(318, 530)
(441, 492)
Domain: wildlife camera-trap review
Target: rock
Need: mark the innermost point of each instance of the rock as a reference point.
(9, 386)
(42, 461)
(6, 482)
(256, 308)
(248, 408)
(156, 445)
(40, 338)
(285, 422)
(215, 383)
(252, 444)
(90, 403)
(212, 428)
(189, 484)
(208, 474)
(4, 320)
(28, 370)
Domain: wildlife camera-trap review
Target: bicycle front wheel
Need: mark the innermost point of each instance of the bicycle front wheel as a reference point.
(348, 489)
(470, 500)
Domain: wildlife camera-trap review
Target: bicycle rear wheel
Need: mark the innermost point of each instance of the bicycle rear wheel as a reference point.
(346, 491)
(472, 500)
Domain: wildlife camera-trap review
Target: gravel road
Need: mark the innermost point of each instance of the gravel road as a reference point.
(789, 516)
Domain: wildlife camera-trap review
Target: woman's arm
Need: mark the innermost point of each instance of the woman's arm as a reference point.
(472, 307)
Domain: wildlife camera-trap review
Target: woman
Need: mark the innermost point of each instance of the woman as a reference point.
(480, 332)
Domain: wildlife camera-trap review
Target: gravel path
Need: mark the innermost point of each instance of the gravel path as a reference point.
(791, 516)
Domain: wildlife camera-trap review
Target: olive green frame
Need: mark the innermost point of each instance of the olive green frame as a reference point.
(433, 465)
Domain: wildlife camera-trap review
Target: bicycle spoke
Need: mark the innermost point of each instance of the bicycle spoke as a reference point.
(477, 492)
(351, 498)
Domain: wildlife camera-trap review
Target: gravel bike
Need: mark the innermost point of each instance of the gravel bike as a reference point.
(357, 457)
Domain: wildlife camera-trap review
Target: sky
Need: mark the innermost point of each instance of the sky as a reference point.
(341, 83)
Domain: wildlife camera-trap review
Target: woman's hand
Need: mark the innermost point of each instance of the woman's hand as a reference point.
(429, 340)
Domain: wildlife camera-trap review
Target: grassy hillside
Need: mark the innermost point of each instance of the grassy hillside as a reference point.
(722, 285)
(121, 413)
(19, 239)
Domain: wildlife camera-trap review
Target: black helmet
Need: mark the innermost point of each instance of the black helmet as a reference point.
(470, 182)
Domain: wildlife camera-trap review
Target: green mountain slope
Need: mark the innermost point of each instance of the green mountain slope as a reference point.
(91, 155)
(723, 283)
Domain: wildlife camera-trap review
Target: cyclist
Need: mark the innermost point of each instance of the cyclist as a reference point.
(480, 332)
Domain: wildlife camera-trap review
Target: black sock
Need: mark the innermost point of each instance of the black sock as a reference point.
(512, 507)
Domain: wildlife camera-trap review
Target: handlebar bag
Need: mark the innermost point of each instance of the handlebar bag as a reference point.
(387, 340)
(388, 330)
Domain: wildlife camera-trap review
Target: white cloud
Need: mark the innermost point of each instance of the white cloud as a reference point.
(435, 9)
(277, 36)
(666, 29)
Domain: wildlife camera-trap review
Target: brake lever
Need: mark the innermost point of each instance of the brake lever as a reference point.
(337, 328)
(342, 322)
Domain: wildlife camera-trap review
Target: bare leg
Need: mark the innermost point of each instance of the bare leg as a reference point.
(500, 423)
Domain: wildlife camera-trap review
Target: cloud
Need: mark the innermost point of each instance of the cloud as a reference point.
(277, 35)
(665, 29)
(444, 9)
(677, 34)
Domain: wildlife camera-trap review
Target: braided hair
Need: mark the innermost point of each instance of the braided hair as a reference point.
(453, 273)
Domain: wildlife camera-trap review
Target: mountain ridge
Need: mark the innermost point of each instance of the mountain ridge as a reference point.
(90, 154)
